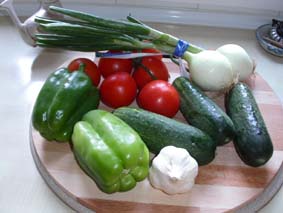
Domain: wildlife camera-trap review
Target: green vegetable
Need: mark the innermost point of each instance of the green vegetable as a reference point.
(110, 151)
(200, 111)
(62, 101)
(158, 131)
(252, 142)
(124, 35)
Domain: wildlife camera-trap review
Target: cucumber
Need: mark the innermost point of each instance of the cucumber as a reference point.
(158, 131)
(200, 111)
(253, 143)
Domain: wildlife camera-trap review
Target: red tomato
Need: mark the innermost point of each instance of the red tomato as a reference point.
(109, 66)
(160, 97)
(157, 67)
(90, 69)
(118, 90)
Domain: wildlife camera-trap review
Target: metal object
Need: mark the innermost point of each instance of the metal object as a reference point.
(276, 31)
(28, 29)
(274, 35)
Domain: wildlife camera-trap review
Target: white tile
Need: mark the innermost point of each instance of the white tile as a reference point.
(89, 1)
(251, 4)
(29, 7)
(181, 4)
(236, 9)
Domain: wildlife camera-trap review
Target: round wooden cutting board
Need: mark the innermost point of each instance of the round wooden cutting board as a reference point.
(226, 184)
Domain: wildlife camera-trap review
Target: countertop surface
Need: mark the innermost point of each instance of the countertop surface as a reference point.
(23, 71)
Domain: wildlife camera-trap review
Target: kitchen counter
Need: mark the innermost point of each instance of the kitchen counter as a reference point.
(23, 71)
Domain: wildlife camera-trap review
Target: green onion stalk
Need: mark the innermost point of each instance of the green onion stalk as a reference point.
(86, 32)
(81, 31)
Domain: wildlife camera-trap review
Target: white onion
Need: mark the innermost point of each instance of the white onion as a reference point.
(211, 70)
(241, 62)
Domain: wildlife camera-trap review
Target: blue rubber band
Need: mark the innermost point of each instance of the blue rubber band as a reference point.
(181, 48)
(106, 54)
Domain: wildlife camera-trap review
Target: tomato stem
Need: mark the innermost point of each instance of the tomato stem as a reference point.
(148, 71)
(138, 63)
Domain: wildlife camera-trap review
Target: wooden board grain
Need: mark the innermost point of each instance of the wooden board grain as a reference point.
(226, 184)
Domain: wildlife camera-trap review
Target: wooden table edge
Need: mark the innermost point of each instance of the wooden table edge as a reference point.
(249, 206)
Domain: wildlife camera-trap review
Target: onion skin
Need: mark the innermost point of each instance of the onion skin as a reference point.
(211, 70)
(241, 62)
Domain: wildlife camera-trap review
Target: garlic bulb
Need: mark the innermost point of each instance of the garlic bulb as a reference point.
(173, 170)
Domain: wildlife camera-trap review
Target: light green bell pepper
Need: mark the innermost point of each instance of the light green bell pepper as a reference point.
(110, 151)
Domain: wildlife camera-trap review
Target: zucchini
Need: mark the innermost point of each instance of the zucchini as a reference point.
(252, 142)
(158, 131)
(200, 111)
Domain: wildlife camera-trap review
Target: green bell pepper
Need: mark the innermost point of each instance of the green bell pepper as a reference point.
(110, 151)
(62, 101)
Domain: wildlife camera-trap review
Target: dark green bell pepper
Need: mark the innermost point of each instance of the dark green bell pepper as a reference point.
(110, 151)
(62, 101)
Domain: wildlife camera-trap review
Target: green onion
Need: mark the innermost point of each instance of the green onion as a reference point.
(125, 27)
(74, 29)
(135, 27)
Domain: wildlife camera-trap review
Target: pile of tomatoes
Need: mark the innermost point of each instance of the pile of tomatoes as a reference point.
(121, 81)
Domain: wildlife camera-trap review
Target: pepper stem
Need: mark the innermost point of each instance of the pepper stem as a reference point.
(81, 67)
